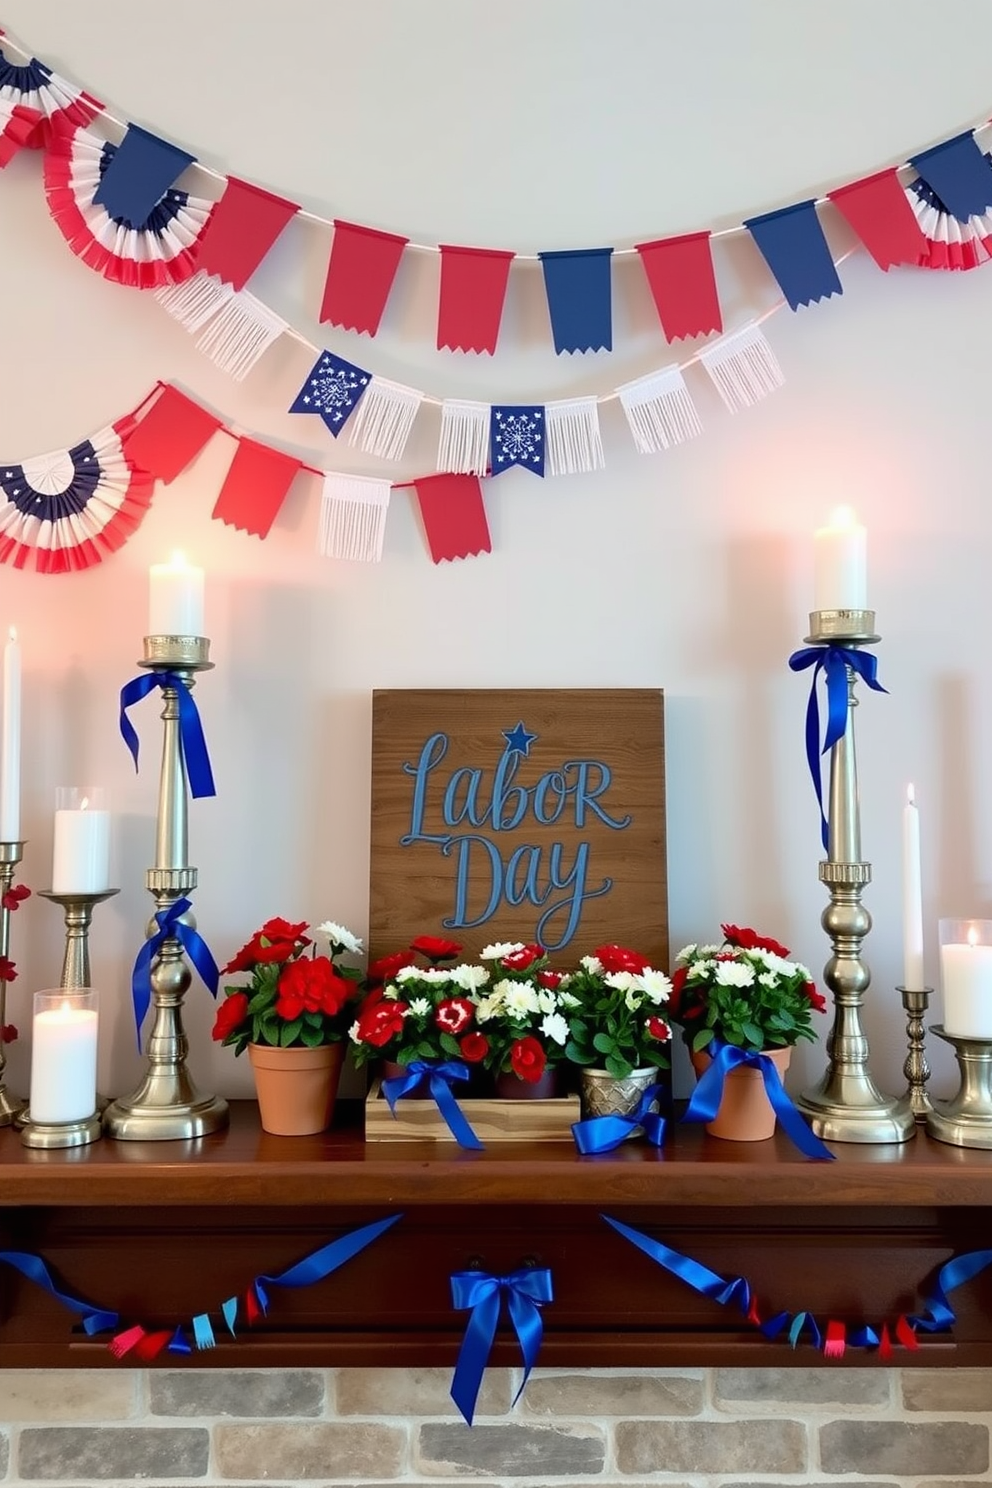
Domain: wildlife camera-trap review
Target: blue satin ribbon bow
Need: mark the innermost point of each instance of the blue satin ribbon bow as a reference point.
(439, 1077)
(194, 745)
(524, 1292)
(170, 927)
(95, 1319)
(604, 1133)
(833, 661)
(705, 1101)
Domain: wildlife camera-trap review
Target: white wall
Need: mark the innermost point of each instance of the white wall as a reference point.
(566, 123)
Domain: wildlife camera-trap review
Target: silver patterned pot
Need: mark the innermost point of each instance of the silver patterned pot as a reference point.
(602, 1094)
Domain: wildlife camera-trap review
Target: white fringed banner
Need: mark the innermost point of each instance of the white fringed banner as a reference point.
(353, 517)
(464, 445)
(573, 439)
(382, 422)
(236, 329)
(743, 368)
(660, 410)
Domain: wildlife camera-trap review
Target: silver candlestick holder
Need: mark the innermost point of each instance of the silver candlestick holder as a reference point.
(916, 1069)
(847, 1106)
(11, 854)
(966, 1119)
(166, 1105)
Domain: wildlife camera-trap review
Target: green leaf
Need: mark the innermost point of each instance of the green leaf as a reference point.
(753, 1034)
(260, 1001)
(576, 1055)
(425, 1051)
(312, 1037)
(314, 1020)
(703, 1037)
(618, 1067)
(449, 1044)
(604, 1043)
(289, 1032)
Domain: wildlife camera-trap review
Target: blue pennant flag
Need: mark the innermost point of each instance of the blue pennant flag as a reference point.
(960, 175)
(332, 389)
(516, 437)
(139, 173)
(579, 299)
(793, 246)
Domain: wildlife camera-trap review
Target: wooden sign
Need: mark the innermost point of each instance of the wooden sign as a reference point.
(519, 816)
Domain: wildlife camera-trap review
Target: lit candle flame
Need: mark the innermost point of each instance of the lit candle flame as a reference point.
(972, 936)
(84, 803)
(12, 633)
(911, 795)
(843, 516)
(179, 559)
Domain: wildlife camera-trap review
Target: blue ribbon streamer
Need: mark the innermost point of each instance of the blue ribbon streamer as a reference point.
(439, 1077)
(203, 1333)
(705, 1101)
(524, 1292)
(694, 1273)
(939, 1313)
(95, 1319)
(192, 741)
(604, 1133)
(178, 1344)
(322, 1262)
(833, 661)
(170, 927)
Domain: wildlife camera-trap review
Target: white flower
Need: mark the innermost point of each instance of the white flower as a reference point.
(546, 1001)
(339, 936)
(592, 964)
(390, 992)
(407, 973)
(701, 968)
(657, 987)
(568, 999)
(353, 1033)
(420, 1006)
(804, 972)
(499, 949)
(779, 964)
(710, 950)
(767, 979)
(564, 981)
(489, 1007)
(733, 974)
(519, 998)
(555, 1026)
(633, 998)
(470, 978)
(686, 954)
(624, 981)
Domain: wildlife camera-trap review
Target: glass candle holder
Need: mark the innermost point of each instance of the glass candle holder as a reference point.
(966, 977)
(81, 850)
(63, 1056)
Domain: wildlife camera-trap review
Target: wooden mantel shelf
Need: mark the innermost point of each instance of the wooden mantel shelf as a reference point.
(160, 1231)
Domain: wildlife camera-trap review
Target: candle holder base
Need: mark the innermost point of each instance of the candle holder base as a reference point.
(916, 1069)
(49, 1135)
(966, 1119)
(157, 1114)
(11, 1108)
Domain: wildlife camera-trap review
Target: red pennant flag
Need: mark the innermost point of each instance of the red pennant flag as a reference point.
(255, 487)
(473, 288)
(454, 515)
(680, 273)
(169, 435)
(151, 1345)
(906, 1333)
(881, 216)
(360, 274)
(242, 228)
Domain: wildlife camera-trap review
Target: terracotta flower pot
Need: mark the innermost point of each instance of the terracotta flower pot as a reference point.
(296, 1088)
(745, 1114)
(510, 1086)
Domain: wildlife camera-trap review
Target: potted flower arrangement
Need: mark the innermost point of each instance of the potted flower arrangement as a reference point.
(745, 994)
(618, 1028)
(523, 1017)
(414, 1012)
(292, 1016)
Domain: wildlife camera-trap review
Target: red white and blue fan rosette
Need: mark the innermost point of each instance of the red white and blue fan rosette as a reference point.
(952, 243)
(151, 254)
(33, 99)
(69, 509)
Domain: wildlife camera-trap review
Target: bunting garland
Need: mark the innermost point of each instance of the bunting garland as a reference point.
(33, 100)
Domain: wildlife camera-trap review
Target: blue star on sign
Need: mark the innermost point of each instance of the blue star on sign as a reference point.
(518, 740)
(332, 390)
(516, 437)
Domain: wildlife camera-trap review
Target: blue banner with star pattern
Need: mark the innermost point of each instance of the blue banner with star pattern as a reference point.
(516, 437)
(332, 390)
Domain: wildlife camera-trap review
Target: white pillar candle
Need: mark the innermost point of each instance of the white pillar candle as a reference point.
(81, 851)
(840, 577)
(10, 743)
(912, 897)
(63, 1056)
(966, 979)
(175, 598)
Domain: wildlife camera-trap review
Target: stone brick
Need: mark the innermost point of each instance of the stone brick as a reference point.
(4, 1455)
(509, 1451)
(414, 1392)
(326, 1450)
(66, 1395)
(587, 1394)
(81, 1452)
(805, 1387)
(903, 1450)
(710, 1446)
(944, 1390)
(245, 1392)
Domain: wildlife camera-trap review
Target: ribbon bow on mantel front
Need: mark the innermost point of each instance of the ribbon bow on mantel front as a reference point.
(194, 745)
(171, 926)
(524, 1291)
(705, 1100)
(604, 1133)
(439, 1077)
(833, 661)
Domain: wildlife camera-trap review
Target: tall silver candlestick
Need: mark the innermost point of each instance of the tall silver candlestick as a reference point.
(10, 855)
(847, 1106)
(166, 1105)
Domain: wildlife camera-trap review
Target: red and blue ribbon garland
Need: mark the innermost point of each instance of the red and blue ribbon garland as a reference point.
(524, 1291)
(439, 1077)
(194, 745)
(170, 927)
(705, 1100)
(604, 1133)
(833, 661)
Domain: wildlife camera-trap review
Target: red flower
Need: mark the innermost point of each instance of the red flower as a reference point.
(386, 967)
(8, 971)
(230, 1015)
(454, 1014)
(678, 1006)
(13, 896)
(8, 1033)
(378, 1024)
(436, 949)
(659, 1029)
(549, 979)
(474, 1047)
(520, 960)
(750, 940)
(527, 1059)
(618, 958)
(817, 1001)
(277, 940)
(279, 929)
(311, 986)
